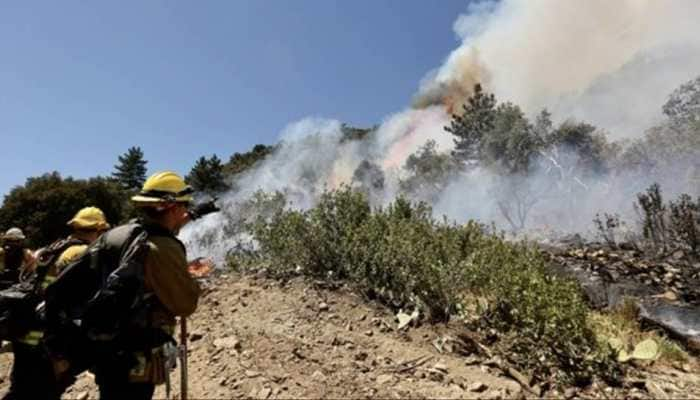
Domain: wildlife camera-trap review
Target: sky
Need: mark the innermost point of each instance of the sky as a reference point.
(81, 82)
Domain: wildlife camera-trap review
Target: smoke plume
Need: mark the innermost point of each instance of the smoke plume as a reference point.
(606, 62)
(610, 63)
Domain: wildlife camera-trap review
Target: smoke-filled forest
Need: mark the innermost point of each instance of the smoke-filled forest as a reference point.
(538, 196)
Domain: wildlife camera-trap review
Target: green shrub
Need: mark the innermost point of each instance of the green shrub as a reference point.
(401, 256)
(540, 315)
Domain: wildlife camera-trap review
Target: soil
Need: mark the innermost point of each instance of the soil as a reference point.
(255, 337)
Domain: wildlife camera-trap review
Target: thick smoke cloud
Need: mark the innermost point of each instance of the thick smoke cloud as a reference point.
(610, 63)
(606, 62)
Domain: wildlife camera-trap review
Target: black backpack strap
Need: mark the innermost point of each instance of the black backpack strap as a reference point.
(49, 256)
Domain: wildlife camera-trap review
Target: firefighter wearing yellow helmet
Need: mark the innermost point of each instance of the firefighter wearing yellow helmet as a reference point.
(164, 199)
(87, 225)
(33, 375)
(163, 188)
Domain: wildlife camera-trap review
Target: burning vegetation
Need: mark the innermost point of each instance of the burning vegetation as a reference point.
(518, 196)
(564, 311)
(426, 212)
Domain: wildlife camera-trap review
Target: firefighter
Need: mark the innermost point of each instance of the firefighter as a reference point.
(33, 375)
(87, 225)
(164, 200)
(15, 257)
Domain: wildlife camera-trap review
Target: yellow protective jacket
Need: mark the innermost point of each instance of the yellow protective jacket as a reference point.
(166, 275)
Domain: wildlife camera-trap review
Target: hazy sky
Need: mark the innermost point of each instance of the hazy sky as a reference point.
(80, 82)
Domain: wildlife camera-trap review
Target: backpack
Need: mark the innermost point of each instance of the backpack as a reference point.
(11, 263)
(99, 303)
(18, 302)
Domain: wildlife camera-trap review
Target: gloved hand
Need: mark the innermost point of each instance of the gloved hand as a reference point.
(202, 209)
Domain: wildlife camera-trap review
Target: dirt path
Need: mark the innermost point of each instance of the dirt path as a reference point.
(258, 338)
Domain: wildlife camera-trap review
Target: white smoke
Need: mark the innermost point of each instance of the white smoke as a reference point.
(610, 63)
(606, 62)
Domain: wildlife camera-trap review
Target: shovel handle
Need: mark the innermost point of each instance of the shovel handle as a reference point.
(183, 358)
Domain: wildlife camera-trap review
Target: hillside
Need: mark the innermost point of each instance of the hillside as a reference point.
(262, 338)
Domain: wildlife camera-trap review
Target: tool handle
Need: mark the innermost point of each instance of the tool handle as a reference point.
(183, 358)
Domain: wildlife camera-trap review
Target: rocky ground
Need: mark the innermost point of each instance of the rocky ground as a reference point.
(664, 284)
(258, 338)
(674, 274)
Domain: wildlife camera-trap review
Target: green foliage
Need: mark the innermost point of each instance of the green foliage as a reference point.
(241, 162)
(130, 173)
(590, 150)
(402, 257)
(497, 137)
(477, 119)
(511, 146)
(44, 204)
(428, 172)
(620, 328)
(501, 139)
(675, 141)
(541, 315)
(207, 176)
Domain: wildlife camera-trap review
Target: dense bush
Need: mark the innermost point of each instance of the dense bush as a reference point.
(401, 256)
(428, 172)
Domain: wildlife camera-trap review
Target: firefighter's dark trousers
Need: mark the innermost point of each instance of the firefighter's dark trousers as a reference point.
(112, 378)
(32, 375)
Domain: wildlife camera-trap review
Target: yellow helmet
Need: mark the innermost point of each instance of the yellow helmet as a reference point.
(163, 187)
(89, 218)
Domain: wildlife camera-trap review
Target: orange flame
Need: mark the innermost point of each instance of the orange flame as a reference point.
(200, 267)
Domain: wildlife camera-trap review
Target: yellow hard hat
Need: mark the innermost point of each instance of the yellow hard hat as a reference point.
(163, 187)
(89, 218)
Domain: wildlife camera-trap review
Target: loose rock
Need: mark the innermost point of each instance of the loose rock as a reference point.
(264, 393)
(252, 374)
(477, 387)
(384, 379)
(655, 391)
(318, 376)
(570, 393)
(440, 367)
(195, 336)
(229, 342)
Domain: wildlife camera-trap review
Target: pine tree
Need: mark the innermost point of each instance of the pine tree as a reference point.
(207, 175)
(470, 127)
(131, 171)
